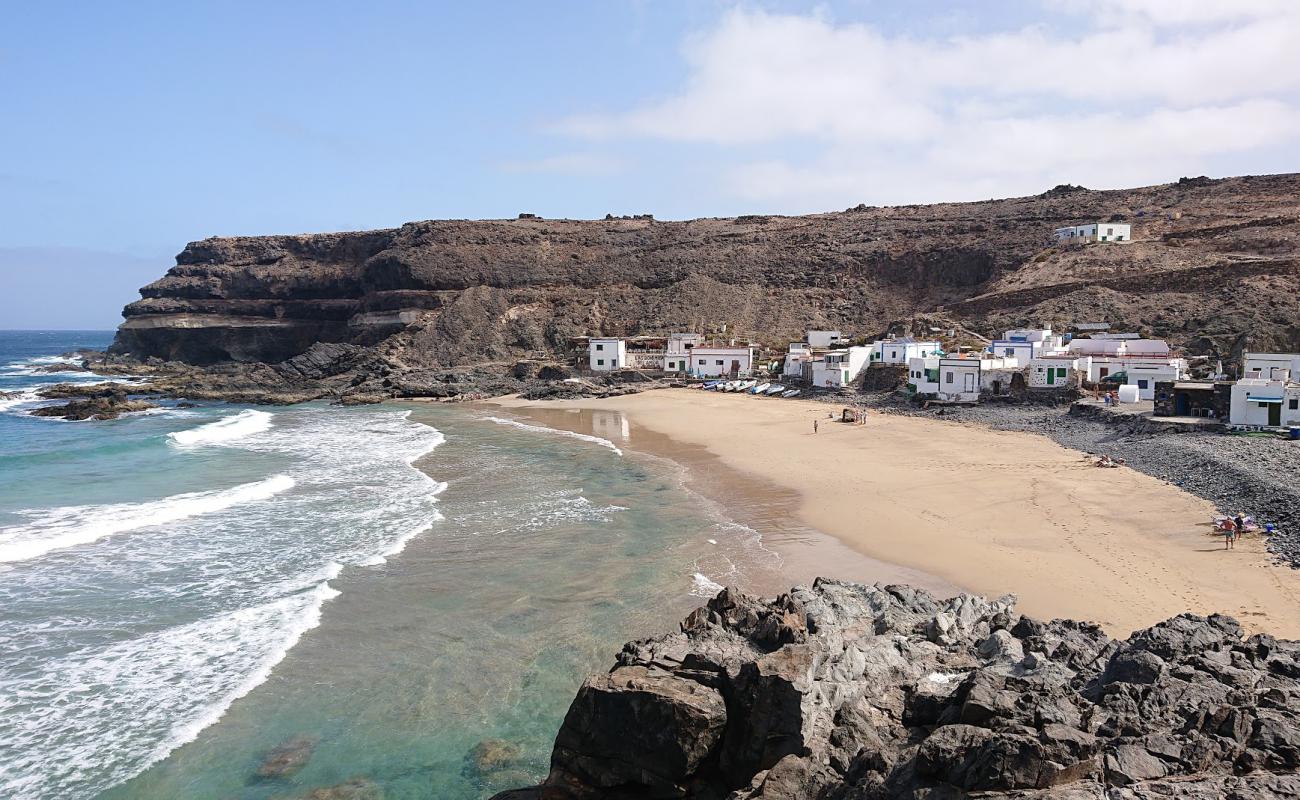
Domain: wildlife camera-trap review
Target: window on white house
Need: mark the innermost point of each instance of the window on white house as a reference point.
(1060, 372)
(947, 378)
(600, 362)
(1142, 383)
(1295, 403)
(718, 362)
(600, 347)
(701, 362)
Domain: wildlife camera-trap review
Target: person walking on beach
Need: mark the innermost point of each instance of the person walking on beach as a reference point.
(1229, 536)
(1238, 527)
(814, 426)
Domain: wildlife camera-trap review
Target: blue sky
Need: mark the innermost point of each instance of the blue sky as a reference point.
(130, 129)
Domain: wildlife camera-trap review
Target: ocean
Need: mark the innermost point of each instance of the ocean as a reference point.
(391, 601)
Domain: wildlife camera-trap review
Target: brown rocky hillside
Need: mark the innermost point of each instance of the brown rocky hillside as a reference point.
(1214, 266)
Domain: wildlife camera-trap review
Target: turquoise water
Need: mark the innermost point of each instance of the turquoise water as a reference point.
(382, 589)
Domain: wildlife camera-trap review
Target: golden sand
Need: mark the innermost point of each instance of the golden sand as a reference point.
(950, 505)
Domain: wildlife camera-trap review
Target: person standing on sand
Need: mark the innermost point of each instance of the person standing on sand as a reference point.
(814, 426)
(1229, 537)
(1238, 526)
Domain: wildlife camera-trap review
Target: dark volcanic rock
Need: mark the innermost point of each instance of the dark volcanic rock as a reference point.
(96, 401)
(849, 692)
(287, 758)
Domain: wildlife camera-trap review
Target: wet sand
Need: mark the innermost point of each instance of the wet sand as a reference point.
(947, 506)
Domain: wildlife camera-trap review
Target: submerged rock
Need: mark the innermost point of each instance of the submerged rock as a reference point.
(849, 692)
(102, 405)
(354, 789)
(287, 758)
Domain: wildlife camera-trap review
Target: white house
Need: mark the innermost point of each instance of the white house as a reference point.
(795, 357)
(1026, 343)
(901, 351)
(1095, 232)
(1258, 402)
(1049, 372)
(1271, 366)
(822, 340)
(607, 354)
(948, 380)
(1145, 376)
(997, 374)
(839, 368)
(677, 356)
(716, 362)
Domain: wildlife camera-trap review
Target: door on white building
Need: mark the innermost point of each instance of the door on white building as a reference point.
(968, 384)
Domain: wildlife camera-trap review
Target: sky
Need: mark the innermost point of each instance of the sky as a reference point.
(130, 129)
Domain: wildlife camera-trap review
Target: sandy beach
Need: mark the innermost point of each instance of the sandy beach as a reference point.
(944, 505)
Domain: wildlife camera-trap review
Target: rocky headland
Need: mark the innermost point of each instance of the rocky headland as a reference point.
(456, 308)
(862, 692)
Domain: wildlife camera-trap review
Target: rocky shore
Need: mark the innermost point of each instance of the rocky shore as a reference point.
(869, 692)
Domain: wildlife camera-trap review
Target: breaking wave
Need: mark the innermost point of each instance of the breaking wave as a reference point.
(69, 526)
(555, 431)
(228, 429)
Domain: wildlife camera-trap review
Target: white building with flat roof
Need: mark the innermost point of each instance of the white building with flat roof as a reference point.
(902, 351)
(677, 356)
(604, 355)
(718, 362)
(1271, 366)
(839, 368)
(1094, 232)
(823, 340)
(798, 354)
(1263, 403)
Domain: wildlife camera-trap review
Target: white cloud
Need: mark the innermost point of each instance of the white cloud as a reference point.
(1114, 93)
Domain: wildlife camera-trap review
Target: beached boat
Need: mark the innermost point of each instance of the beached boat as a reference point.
(774, 389)
(759, 389)
(730, 386)
(712, 386)
(745, 386)
(792, 393)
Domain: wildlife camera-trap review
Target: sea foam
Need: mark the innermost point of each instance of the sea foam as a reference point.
(69, 526)
(249, 422)
(555, 431)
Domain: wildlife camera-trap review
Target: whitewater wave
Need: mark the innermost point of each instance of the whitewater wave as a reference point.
(109, 701)
(514, 423)
(249, 422)
(703, 586)
(69, 526)
(18, 397)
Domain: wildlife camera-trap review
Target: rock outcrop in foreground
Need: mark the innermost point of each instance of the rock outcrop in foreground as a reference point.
(850, 691)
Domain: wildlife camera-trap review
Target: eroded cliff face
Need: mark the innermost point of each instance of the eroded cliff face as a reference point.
(1214, 266)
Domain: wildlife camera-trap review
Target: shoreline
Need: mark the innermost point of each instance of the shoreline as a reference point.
(981, 510)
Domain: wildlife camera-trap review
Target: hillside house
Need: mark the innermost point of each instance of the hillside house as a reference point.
(839, 368)
(946, 380)
(1025, 344)
(718, 362)
(1271, 366)
(1094, 232)
(902, 351)
(1263, 403)
(824, 340)
(604, 355)
(677, 356)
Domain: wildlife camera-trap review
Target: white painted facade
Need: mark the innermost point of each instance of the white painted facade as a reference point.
(604, 355)
(1095, 232)
(1052, 373)
(1264, 403)
(923, 374)
(798, 354)
(901, 351)
(839, 368)
(824, 340)
(1145, 376)
(715, 362)
(1138, 369)
(677, 357)
(959, 380)
(1271, 366)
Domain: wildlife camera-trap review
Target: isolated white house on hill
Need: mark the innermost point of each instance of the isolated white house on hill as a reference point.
(1094, 232)
(604, 355)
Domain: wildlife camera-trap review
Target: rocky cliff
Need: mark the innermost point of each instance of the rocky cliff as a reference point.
(854, 692)
(1213, 267)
